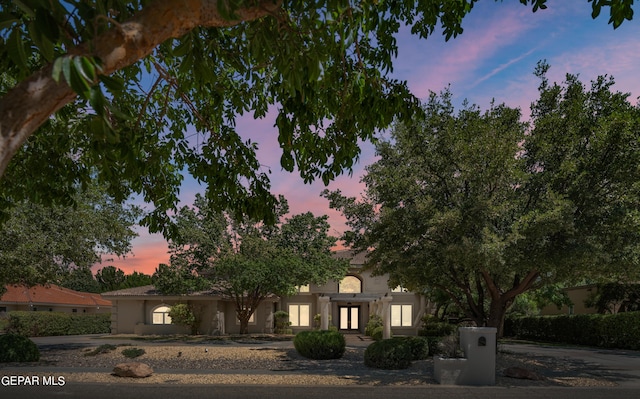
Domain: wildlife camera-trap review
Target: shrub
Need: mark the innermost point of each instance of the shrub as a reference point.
(133, 352)
(282, 322)
(621, 330)
(41, 324)
(377, 333)
(374, 322)
(419, 346)
(183, 315)
(388, 354)
(18, 348)
(437, 329)
(320, 344)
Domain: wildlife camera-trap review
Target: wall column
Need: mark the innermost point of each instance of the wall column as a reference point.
(386, 317)
(324, 312)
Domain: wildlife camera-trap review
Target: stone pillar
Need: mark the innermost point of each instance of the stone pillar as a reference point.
(386, 317)
(324, 312)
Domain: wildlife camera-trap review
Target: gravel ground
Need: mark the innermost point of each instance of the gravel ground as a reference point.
(265, 364)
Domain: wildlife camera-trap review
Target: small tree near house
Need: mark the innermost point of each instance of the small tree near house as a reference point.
(186, 315)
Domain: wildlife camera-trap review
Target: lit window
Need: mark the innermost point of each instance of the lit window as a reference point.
(399, 289)
(350, 285)
(401, 315)
(299, 315)
(161, 315)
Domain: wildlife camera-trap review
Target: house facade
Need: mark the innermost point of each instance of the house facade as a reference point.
(346, 304)
(51, 298)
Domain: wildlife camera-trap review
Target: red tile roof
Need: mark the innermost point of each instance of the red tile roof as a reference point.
(51, 295)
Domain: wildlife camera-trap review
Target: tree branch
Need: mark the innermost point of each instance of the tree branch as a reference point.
(30, 103)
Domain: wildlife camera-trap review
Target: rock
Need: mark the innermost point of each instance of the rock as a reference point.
(133, 370)
(523, 374)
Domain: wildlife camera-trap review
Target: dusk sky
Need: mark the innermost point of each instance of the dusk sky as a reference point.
(493, 59)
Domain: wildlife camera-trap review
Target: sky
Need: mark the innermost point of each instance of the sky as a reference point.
(493, 59)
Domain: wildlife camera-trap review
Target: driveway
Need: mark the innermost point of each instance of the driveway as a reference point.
(623, 366)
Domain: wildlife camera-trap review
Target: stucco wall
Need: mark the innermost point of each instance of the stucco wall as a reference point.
(577, 296)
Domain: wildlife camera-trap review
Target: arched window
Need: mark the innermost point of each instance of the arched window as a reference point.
(161, 315)
(350, 285)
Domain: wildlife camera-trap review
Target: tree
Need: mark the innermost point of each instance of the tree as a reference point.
(40, 245)
(136, 279)
(250, 261)
(615, 297)
(79, 74)
(80, 279)
(110, 278)
(177, 278)
(469, 204)
(184, 315)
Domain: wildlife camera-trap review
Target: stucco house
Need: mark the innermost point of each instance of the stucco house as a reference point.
(346, 304)
(51, 298)
(578, 297)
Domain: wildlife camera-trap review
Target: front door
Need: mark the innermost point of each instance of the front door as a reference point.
(349, 316)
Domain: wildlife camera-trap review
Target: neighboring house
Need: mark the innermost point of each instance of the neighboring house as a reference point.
(52, 298)
(345, 304)
(578, 296)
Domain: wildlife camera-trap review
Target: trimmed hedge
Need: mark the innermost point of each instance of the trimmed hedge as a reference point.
(43, 324)
(388, 354)
(18, 348)
(620, 330)
(320, 344)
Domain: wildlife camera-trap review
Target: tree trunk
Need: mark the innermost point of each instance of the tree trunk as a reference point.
(497, 311)
(31, 102)
(244, 325)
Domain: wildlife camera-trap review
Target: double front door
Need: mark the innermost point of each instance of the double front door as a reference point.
(349, 317)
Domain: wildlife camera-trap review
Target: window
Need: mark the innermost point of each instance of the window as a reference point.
(299, 315)
(399, 289)
(401, 315)
(74, 310)
(303, 288)
(161, 315)
(350, 285)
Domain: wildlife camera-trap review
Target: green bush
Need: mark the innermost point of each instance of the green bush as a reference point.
(320, 344)
(419, 346)
(282, 322)
(132, 353)
(388, 354)
(621, 330)
(43, 324)
(18, 348)
(437, 329)
(377, 333)
(183, 314)
(374, 322)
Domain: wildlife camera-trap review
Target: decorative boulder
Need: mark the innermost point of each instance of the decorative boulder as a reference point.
(523, 374)
(133, 370)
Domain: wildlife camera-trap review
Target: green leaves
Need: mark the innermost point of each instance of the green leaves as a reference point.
(322, 65)
(80, 72)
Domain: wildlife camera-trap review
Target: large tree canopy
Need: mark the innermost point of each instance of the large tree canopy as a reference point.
(40, 245)
(477, 205)
(247, 262)
(111, 87)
